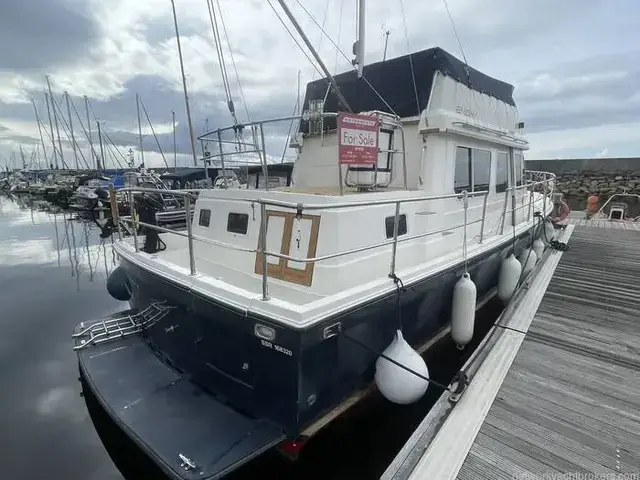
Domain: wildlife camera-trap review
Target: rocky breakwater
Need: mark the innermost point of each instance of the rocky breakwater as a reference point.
(578, 185)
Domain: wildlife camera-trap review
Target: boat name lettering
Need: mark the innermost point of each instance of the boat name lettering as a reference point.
(277, 348)
(466, 112)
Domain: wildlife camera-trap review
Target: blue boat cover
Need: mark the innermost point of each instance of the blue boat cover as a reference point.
(393, 82)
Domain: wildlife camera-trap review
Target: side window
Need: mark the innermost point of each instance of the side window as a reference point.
(205, 217)
(502, 172)
(237, 223)
(518, 161)
(481, 169)
(462, 178)
(402, 225)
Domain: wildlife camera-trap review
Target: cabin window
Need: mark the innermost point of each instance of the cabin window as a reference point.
(518, 161)
(402, 225)
(502, 172)
(481, 170)
(237, 223)
(462, 179)
(473, 169)
(205, 217)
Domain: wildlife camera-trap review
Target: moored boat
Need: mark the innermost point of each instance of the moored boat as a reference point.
(269, 315)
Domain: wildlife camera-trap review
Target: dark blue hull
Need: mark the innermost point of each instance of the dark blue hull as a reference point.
(301, 375)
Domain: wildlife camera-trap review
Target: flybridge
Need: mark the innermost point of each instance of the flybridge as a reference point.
(389, 86)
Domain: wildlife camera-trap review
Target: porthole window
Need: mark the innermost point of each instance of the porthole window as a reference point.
(238, 223)
(205, 217)
(402, 225)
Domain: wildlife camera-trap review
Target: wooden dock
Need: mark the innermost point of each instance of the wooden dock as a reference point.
(555, 390)
(618, 225)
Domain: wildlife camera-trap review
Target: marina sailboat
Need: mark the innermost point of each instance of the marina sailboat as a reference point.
(278, 307)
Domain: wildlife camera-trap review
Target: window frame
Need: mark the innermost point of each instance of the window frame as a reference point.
(402, 225)
(471, 164)
(238, 216)
(201, 217)
(502, 187)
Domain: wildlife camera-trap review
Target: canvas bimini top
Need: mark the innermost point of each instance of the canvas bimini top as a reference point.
(393, 81)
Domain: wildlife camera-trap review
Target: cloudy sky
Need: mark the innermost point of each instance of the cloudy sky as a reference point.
(575, 65)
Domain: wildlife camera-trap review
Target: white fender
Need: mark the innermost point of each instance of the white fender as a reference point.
(528, 261)
(549, 231)
(395, 383)
(463, 311)
(510, 271)
(538, 247)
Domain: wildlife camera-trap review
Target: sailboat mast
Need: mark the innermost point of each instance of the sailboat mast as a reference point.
(306, 40)
(361, 32)
(175, 150)
(24, 163)
(40, 131)
(73, 139)
(86, 109)
(184, 85)
(139, 128)
(53, 140)
(101, 160)
(55, 119)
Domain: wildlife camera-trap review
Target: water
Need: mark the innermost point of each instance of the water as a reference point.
(52, 277)
(46, 288)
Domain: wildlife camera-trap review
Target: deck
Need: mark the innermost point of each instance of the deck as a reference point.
(619, 225)
(556, 392)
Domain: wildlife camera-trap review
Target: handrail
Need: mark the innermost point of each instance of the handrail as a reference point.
(299, 207)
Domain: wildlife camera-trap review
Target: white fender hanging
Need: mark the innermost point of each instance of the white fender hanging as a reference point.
(463, 311)
(528, 261)
(538, 247)
(510, 271)
(549, 231)
(395, 383)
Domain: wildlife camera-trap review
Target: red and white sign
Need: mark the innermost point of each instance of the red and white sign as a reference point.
(358, 142)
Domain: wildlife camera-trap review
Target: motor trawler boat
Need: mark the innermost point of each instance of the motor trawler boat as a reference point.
(267, 317)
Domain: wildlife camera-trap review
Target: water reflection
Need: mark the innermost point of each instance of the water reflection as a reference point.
(34, 232)
(53, 268)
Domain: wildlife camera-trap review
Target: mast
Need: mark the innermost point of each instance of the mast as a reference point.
(139, 128)
(98, 161)
(91, 152)
(24, 163)
(175, 151)
(306, 40)
(360, 44)
(40, 131)
(184, 85)
(73, 139)
(55, 119)
(55, 154)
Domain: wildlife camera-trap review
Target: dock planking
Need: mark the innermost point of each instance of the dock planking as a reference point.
(570, 403)
(604, 223)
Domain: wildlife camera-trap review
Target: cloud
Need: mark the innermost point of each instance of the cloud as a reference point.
(574, 68)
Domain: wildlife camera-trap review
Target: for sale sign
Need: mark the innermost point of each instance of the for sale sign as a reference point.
(358, 142)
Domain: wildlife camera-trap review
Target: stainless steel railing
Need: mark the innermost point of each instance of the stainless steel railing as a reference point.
(530, 183)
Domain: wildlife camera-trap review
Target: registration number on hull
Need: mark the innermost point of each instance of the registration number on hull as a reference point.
(277, 348)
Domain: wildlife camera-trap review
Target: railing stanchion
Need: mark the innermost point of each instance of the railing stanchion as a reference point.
(192, 254)
(263, 250)
(134, 223)
(544, 198)
(265, 170)
(484, 213)
(504, 210)
(404, 159)
(394, 246)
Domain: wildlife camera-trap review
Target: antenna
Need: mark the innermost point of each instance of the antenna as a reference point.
(360, 43)
(386, 42)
